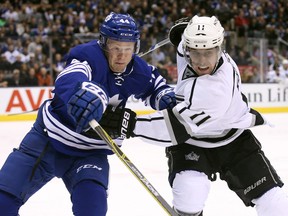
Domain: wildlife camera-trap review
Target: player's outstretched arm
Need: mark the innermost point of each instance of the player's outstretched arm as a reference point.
(123, 123)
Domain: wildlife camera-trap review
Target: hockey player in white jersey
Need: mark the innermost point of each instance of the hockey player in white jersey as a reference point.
(209, 125)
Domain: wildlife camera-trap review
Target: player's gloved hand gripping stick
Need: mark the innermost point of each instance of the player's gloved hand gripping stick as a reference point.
(148, 186)
(89, 102)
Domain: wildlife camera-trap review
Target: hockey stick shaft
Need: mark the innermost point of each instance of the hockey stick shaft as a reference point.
(22, 113)
(154, 47)
(148, 186)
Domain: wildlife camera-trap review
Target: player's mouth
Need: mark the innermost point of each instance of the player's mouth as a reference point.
(120, 63)
(203, 69)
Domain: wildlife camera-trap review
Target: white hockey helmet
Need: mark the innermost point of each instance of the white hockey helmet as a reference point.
(203, 33)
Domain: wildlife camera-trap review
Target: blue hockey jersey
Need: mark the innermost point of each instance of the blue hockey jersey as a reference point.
(87, 62)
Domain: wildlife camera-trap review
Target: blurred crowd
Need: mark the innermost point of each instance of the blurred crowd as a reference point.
(35, 35)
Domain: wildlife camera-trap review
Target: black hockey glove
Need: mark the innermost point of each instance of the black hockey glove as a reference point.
(176, 31)
(119, 122)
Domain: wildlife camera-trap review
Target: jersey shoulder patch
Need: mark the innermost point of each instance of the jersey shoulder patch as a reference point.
(188, 72)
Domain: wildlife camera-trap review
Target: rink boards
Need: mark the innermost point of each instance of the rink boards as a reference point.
(19, 103)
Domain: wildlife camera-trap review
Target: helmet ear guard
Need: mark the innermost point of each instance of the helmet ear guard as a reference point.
(119, 27)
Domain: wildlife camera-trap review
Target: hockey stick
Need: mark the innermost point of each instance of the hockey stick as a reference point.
(22, 113)
(154, 47)
(148, 186)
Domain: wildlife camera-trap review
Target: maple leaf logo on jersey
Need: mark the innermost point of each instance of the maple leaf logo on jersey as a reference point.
(115, 101)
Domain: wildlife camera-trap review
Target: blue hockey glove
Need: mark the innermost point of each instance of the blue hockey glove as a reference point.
(86, 104)
(165, 99)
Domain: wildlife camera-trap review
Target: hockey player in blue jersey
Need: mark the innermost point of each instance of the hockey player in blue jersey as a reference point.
(99, 77)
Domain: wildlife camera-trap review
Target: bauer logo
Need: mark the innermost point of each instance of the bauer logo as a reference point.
(125, 124)
(256, 184)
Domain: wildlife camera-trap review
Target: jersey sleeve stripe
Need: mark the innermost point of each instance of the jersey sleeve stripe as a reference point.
(203, 120)
(77, 67)
(62, 133)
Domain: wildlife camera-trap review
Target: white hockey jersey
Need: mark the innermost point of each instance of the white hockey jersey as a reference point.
(211, 111)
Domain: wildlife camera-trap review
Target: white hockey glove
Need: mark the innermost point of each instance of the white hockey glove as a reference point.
(175, 33)
(88, 103)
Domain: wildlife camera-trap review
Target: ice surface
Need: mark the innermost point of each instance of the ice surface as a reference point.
(127, 196)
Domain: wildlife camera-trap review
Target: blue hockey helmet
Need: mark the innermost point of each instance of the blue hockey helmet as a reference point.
(120, 27)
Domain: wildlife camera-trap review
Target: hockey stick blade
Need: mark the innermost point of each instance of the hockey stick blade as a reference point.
(154, 47)
(148, 186)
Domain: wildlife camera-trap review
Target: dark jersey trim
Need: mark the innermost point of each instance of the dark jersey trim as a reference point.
(149, 138)
(179, 130)
(149, 120)
(218, 139)
(180, 54)
(191, 94)
(259, 118)
(181, 135)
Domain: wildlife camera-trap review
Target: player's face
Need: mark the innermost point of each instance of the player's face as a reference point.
(119, 54)
(204, 60)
